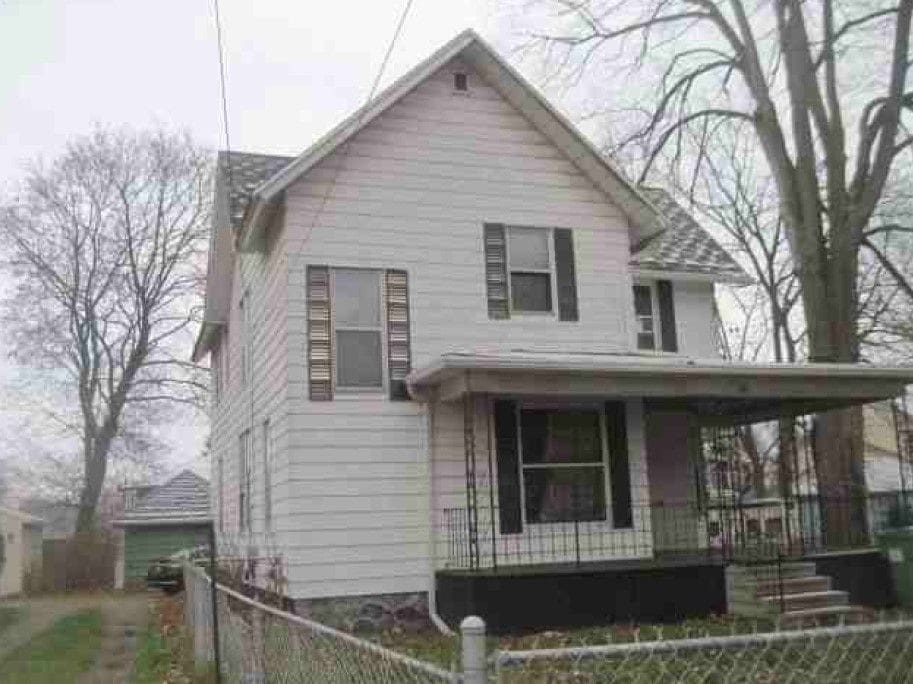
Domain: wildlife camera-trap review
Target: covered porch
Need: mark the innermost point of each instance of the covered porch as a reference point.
(601, 466)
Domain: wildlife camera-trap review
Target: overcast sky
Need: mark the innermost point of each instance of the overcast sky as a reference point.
(295, 68)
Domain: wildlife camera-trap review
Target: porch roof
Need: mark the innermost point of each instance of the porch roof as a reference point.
(716, 390)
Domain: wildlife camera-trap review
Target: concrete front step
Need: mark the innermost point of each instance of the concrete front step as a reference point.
(827, 616)
(769, 572)
(794, 585)
(810, 600)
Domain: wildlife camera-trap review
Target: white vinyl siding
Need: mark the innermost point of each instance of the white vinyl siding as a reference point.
(412, 191)
(265, 277)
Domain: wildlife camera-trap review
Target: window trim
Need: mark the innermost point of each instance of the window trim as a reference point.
(381, 330)
(605, 462)
(654, 310)
(267, 443)
(245, 507)
(244, 307)
(551, 271)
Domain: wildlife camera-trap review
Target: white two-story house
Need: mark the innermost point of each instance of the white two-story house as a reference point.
(452, 347)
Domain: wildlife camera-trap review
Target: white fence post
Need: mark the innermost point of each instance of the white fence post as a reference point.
(472, 633)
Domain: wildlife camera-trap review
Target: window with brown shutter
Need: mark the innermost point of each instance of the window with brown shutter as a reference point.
(320, 360)
(496, 271)
(399, 360)
(528, 270)
(358, 328)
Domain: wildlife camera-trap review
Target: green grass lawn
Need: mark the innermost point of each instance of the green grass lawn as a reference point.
(59, 654)
(153, 657)
(9, 615)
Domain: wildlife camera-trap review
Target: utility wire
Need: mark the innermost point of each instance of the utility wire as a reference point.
(215, 6)
(362, 113)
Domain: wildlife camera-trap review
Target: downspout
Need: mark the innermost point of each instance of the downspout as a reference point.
(436, 619)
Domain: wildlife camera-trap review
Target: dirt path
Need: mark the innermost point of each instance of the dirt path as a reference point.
(39, 614)
(123, 619)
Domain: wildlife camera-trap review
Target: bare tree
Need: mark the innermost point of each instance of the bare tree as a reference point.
(106, 248)
(824, 89)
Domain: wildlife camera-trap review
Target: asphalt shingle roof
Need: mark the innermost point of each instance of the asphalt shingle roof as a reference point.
(247, 172)
(684, 246)
(183, 497)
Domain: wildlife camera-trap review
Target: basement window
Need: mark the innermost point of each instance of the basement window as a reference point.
(460, 82)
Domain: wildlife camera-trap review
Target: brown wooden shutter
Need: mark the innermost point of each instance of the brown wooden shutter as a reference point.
(565, 275)
(667, 315)
(508, 459)
(496, 271)
(398, 347)
(619, 467)
(320, 356)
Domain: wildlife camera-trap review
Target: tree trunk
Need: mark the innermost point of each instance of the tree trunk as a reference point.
(95, 462)
(837, 442)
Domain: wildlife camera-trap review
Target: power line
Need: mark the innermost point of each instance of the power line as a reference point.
(215, 6)
(363, 112)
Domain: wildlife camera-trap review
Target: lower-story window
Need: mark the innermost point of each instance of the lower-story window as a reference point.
(563, 465)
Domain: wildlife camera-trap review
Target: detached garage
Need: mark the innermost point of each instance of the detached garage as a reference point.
(20, 560)
(159, 521)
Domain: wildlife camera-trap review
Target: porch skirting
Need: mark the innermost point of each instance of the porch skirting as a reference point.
(532, 598)
(368, 613)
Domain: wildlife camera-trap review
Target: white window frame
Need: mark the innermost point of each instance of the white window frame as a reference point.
(216, 370)
(267, 437)
(657, 322)
(381, 328)
(550, 271)
(245, 509)
(221, 479)
(244, 306)
(522, 466)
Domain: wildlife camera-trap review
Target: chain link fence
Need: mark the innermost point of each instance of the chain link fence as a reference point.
(879, 652)
(259, 643)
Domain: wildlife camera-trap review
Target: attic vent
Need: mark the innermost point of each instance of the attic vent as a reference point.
(460, 82)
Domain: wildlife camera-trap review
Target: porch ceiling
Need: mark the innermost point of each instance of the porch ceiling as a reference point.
(716, 390)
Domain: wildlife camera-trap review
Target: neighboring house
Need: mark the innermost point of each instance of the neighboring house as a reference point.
(159, 520)
(21, 550)
(461, 364)
(59, 518)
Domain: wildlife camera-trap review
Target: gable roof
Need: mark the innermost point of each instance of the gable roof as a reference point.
(469, 46)
(182, 499)
(684, 247)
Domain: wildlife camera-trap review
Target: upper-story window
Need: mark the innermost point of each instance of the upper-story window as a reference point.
(530, 271)
(530, 267)
(357, 329)
(645, 311)
(654, 314)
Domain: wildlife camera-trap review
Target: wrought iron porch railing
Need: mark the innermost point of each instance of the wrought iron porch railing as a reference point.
(719, 531)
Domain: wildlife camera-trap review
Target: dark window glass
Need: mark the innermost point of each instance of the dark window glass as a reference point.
(643, 301)
(564, 494)
(460, 82)
(531, 291)
(561, 437)
(358, 358)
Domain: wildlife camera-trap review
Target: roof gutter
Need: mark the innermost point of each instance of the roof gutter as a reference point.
(692, 276)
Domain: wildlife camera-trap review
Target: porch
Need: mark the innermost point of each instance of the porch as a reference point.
(591, 477)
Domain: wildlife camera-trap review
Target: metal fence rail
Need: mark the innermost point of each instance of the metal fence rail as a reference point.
(881, 652)
(259, 643)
